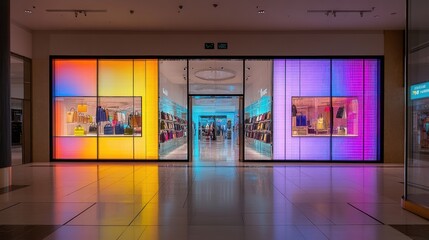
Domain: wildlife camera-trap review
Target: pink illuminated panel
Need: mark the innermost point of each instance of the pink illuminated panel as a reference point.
(75, 148)
(279, 109)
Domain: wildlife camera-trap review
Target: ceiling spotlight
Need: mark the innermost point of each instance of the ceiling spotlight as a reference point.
(28, 11)
(262, 11)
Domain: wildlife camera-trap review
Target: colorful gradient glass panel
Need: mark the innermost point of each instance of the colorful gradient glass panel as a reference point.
(75, 77)
(279, 109)
(115, 148)
(151, 114)
(115, 78)
(353, 78)
(309, 78)
(140, 90)
(347, 80)
(59, 117)
(371, 119)
(75, 148)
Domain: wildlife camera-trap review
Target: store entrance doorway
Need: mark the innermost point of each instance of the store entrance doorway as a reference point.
(216, 125)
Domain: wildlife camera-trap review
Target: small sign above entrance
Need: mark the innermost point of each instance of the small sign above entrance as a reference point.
(209, 45)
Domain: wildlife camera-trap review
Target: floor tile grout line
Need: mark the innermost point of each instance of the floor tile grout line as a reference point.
(122, 233)
(79, 214)
(382, 223)
(141, 210)
(80, 188)
(10, 206)
(293, 204)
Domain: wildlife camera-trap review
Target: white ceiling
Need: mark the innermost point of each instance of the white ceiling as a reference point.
(201, 15)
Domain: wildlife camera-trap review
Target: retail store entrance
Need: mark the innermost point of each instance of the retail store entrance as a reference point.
(216, 125)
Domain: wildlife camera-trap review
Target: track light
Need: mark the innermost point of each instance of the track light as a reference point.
(328, 12)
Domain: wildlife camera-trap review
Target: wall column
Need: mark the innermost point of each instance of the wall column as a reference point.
(5, 125)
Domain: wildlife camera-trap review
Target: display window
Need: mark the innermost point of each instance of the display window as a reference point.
(258, 117)
(172, 112)
(319, 116)
(106, 116)
(331, 108)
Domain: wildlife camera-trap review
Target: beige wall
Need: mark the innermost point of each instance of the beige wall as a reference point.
(394, 97)
(21, 41)
(301, 43)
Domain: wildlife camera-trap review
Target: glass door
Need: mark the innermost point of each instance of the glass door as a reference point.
(216, 127)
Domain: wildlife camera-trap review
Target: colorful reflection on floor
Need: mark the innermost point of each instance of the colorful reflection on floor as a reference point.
(206, 201)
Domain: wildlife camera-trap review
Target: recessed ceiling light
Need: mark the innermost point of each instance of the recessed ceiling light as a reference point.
(217, 74)
(28, 11)
(262, 11)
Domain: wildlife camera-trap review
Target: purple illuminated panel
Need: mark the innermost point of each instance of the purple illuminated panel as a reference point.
(306, 78)
(347, 81)
(371, 77)
(350, 82)
(279, 109)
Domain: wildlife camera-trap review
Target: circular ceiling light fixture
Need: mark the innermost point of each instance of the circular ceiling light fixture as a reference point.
(214, 74)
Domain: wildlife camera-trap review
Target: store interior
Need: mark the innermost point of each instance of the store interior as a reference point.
(215, 89)
(215, 128)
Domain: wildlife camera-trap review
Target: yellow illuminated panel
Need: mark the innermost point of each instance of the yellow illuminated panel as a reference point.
(115, 148)
(151, 115)
(139, 90)
(115, 78)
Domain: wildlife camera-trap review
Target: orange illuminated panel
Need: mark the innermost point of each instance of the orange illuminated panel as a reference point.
(115, 78)
(151, 114)
(139, 90)
(75, 77)
(59, 117)
(75, 148)
(115, 148)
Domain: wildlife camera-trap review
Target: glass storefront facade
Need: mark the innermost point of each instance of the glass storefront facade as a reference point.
(416, 196)
(322, 109)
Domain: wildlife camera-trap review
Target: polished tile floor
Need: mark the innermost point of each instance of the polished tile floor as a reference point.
(206, 200)
(221, 150)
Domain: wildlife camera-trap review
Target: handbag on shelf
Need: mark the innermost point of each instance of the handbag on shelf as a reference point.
(83, 108)
(294, 111)
(71, 115)
(138, 130)
(162, 125)
(108, 129)
(301, 120)
(320, 123)
(128, 130)
(79, 131)
(340, 112)
(135, 120)
(119, 129)
(101, 115)
(92, 128)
